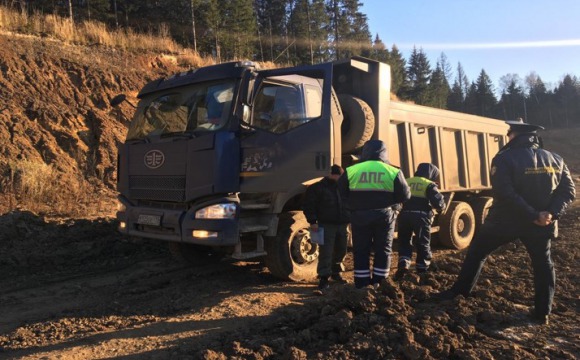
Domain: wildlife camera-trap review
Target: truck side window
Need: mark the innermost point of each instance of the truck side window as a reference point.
(279, 107)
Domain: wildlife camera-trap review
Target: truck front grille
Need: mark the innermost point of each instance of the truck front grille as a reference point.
(164, 188)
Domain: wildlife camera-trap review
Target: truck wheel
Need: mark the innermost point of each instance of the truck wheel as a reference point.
(480, 208)
(457, 225)
(358, 124)
(291, 255)
(194, 254)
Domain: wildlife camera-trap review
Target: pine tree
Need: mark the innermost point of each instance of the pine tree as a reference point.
(307, 23)
(438, 88)
(471, 101)
(539, 101)
(238, 19)
(399, 82)
(485, 98)
(567, 96)
(272, 20)
(512, 102)
(379, 51)
(349, 28)
(419, 74)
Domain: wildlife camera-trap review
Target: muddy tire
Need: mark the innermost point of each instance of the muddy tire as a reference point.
(291, 255)
(358, 124)
(457, 225)
(194, 254)
(480, 208)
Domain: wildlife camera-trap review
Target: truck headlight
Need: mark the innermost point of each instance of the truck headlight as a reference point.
(217, 211)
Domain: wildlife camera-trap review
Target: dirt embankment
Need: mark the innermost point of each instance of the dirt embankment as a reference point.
(54, 110)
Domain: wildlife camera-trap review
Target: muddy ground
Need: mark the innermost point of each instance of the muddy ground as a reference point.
(74, 289)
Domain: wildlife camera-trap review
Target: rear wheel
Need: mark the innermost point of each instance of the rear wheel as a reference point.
(194, 254)
(291, 255)
(358, 124)
(457, 225)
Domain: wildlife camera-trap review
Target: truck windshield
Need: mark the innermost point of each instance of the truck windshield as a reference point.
(201, 107)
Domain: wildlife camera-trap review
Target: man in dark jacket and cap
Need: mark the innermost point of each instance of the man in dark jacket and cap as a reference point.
(532, 187)
(324, 209)
(416, 217)
(370, 189)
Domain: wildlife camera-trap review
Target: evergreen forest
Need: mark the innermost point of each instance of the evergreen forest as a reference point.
(295, 32)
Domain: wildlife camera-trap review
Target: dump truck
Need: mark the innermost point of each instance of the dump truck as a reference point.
(217, 159)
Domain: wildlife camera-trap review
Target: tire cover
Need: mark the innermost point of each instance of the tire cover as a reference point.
(358, 124)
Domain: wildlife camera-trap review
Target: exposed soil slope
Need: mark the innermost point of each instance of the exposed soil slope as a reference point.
(54, 107)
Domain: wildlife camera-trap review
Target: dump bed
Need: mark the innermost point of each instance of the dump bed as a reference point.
(461, 145)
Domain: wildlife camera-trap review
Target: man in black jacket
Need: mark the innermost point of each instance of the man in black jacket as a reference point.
(416, 218)
(531, 189)
(323, 209)
(371, 188)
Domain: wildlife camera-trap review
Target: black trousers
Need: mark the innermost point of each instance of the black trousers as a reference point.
(538, 243)
(419, 224)
(333, 251)
(372, 230)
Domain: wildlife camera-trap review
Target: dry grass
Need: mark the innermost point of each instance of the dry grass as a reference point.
(87, 32)
(38, 187)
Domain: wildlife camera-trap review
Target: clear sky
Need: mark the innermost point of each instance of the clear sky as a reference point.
(500, 36)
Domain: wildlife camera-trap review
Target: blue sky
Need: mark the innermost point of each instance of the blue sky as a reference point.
(500, 36)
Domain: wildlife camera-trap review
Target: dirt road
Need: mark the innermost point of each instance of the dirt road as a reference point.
(74, 289)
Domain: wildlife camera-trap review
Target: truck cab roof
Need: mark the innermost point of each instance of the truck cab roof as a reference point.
(228, 70)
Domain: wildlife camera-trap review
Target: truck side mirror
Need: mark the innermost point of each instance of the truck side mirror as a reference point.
(117, 100)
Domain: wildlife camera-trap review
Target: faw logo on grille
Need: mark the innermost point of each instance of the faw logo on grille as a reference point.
(154, 159)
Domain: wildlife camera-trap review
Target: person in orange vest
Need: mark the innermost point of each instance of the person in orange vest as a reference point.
(416, 218)
(371, 188)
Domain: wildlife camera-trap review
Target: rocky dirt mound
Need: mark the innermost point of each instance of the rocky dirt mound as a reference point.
(54, 109)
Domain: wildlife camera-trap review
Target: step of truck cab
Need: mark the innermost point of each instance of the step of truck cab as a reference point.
(254, 206)
(247, 228)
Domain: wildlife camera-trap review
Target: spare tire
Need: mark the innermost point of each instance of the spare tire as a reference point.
(358, 124)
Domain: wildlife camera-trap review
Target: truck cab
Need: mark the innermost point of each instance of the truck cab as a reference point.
(213, 156)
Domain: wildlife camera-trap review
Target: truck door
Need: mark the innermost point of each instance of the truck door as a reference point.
(288, 138)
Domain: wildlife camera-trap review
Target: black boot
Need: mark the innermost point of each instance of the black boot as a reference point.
(400, 274)
(338, 279)
(323, 284)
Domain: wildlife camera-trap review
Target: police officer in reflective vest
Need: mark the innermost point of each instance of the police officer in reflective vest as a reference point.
(416, 218)
(371, 188)
(532, 187)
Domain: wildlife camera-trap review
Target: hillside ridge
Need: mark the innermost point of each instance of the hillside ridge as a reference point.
(54, 109)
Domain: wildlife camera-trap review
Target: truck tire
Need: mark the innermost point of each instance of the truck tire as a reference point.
(480, 208)
(290, 254)
(358, 124)
(194, 254)
(457, 225)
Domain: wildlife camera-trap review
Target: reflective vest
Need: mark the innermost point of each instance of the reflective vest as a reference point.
(372, 175)
(419, 186)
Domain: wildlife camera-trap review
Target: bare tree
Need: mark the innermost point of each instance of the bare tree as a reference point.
(193, 25)
(70, 11)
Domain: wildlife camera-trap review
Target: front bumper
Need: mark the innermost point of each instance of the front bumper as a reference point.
(175, 225)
